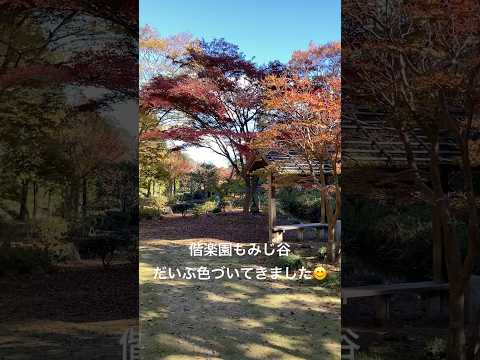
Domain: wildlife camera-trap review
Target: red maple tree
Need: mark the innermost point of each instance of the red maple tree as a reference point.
(214, 102)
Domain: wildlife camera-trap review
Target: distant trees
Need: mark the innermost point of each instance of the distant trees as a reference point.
(53, 146)
(79, 134)
(205, 178)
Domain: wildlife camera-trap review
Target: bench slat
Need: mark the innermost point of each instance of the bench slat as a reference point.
(378, 290)
(298, 226)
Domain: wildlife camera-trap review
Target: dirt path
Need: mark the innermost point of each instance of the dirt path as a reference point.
(228, 319)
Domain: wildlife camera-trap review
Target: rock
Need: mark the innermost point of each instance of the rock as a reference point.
(168, 210)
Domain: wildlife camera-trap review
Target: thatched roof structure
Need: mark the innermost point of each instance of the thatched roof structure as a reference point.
(369, 140)
(290, 167)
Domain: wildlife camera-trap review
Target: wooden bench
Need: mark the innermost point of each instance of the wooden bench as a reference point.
(279, 230)
(382, 294)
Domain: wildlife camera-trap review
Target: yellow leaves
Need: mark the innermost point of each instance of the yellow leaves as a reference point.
(156, 44)
(172, 46)
(157, 54)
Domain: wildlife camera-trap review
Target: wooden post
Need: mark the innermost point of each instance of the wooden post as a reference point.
(300, 234)
(382, 309)
(437, 244)
(338, 232)
(272, 207)
(434, 306)
(435, 303)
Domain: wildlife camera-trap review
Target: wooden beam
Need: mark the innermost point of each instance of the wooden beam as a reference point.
(272, 207)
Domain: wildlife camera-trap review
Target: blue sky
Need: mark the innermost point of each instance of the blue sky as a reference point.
(265, 29)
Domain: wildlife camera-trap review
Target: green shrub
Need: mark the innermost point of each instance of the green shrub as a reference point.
(158, 202)
(390, 238)
(301, 204)
(51, 230)
(23, 260)
(322, 253)
(182, 207)
(292, 261)
(332, 281)
(150, 213)
(204, 208)
(217, 210)
(237, 202)
(436, 349)
(114, 220)
(224, 204)
(63, 252)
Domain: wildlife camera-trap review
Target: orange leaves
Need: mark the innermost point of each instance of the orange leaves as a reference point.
(324, 59)
(177, 164)
(305, 105)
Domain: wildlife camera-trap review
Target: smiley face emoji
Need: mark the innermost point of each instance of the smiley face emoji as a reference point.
(319, 273)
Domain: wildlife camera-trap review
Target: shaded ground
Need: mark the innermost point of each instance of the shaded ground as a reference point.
(394, 342)
(76, 312)
(409, 330)
(228, 319)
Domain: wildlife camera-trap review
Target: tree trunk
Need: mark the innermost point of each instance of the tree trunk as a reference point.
(49, 202)
(170, 189)
(474, 351)
(84, 197)
(248, 195)
(149, 188)
(456, 348)
(331, 248)
(323, 208)
(35, 205)
(66, 206)
(23, 213)
(74, 197)
(254, 207)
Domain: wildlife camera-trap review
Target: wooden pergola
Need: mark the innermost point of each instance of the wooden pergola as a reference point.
(370, 142)
(368, 139)
(287, 169)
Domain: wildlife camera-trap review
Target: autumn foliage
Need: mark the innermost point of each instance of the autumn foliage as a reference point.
(213, 99)
(304, 116)
(418, 64)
